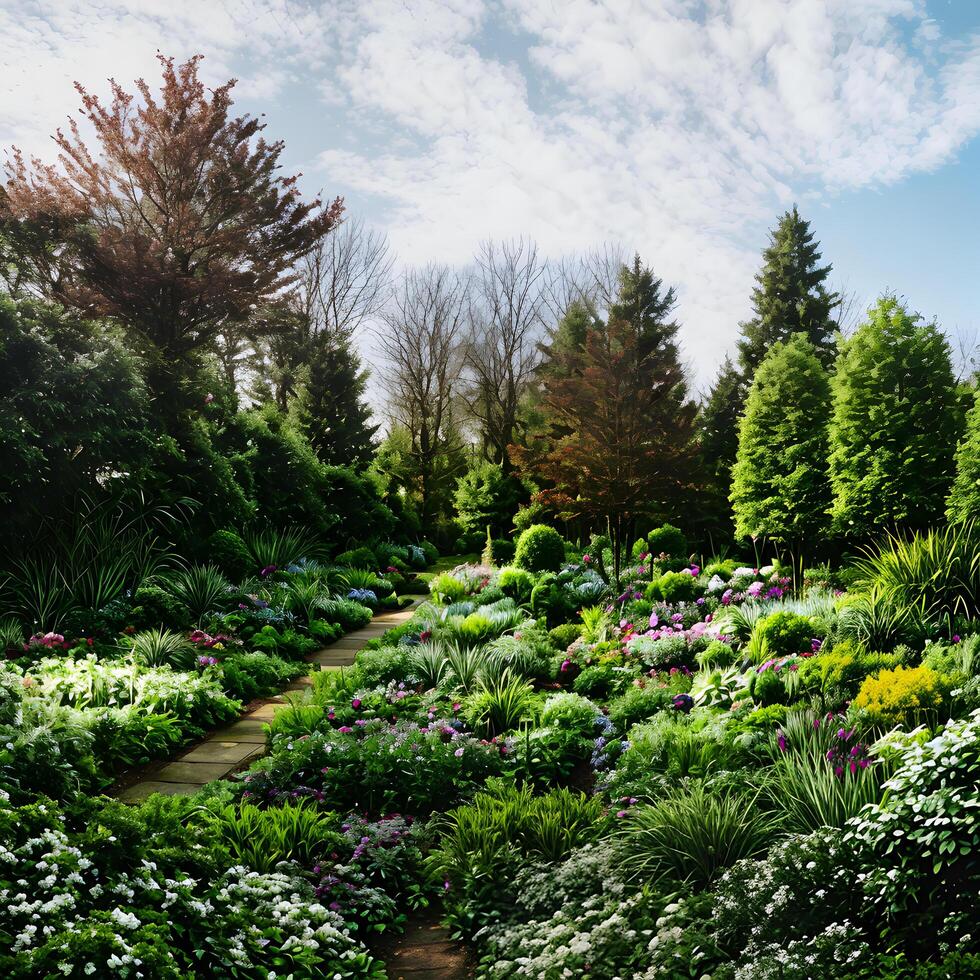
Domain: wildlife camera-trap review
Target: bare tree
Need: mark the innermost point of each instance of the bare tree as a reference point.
(506, 319)
(345, 280)
(422, 347)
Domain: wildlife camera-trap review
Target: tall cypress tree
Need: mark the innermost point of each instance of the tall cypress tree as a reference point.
(896, 421)
(963, 503)
(717, 432)
(790, 296)
(330, 406)
(779, 482)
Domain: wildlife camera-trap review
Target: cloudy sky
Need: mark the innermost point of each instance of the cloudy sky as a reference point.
(678, 128)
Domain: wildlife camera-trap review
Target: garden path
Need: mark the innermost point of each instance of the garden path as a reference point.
(232, 748)
(423, 951)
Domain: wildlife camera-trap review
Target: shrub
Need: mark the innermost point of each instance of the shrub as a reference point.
(200, 588)
(350, 615)
(692, 835)
(673, 587)
(161, 647)
(516, 583)
(227, 550)
(153, 606)
(639, 704)
(446, 588)
(565, 635)
(839, 673)
(667, 540)
(250, 675)
(550, 602)
(570, 712)
(663, 653)
(500, 707)
(902, 696)
(362, 557)
(781, 634)
(540, 549)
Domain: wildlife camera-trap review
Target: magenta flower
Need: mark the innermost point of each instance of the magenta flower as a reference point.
(356, 703)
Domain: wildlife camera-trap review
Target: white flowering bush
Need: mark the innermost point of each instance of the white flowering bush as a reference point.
(921, 843)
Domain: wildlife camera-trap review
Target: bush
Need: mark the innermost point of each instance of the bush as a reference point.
(902, 696)
(227, 550)
(839, 673)
(447, 588)
(250, 675)
(516, 583)
(540, 549)
(153, 606)
(501, 551)
(362, 557)
(781, 634)
(639, 704)
(667, 540)
(350, 615)
(565, 635)
(673, 587)
(550, 602)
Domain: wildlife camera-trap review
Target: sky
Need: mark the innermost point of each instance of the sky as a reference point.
(679, 129)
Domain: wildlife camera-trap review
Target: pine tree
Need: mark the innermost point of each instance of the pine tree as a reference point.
(790, 296)
(644, 305)
(963, 503)
(895, 424)
(779, 482)
(330, 406)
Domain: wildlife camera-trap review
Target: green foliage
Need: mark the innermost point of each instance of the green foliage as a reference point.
(200, 589)
(667, 540)
(362, 557)
(161, 647)
(550, 602)
(780, 634)
(790, 296)
(837, 674)
(154, 606)
(445, 587)
(639, 704)
(540, 549)
(260, 839)
(921, 843)
(673, 587)
(779, 481)
(516, 583)
(227, 550)
(500, 707)
(565, 635)
(485, 498)
(280, 547)
(349, 614)
(963, 502)
(892, 441)
(905, 696)
(693, 834)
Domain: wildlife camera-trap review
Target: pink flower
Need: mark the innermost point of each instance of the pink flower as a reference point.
(654, 620)
(458, 753)
(208, 398)
(356, 703)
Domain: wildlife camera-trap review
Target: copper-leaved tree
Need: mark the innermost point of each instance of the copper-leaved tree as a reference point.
(621, 432)
(177, 224)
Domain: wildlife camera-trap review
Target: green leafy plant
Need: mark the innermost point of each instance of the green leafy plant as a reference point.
(161, 647)
(200, 588)
(539, 549)
(500, 706)
(281, 547)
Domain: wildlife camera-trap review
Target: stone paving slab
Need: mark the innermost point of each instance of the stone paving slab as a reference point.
(242, 731)
(216, 751)
(140, 791)
(192, 772)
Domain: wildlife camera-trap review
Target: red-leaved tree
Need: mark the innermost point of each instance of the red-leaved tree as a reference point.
(177, 225)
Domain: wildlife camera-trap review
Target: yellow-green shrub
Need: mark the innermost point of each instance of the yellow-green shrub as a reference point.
(903, 696)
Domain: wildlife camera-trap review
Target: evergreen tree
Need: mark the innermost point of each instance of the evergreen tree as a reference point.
(330, 406)
(643, 303)
(779, 482)
(895, 424)
(790, 296)
(717, 433)
(963, 503)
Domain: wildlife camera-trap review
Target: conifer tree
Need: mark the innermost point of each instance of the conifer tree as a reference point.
(330, 406)
(779, 481)
(963, 503)
(790, 296)
(895, 424)
(717, 433)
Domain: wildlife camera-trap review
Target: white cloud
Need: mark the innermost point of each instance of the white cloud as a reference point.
(587, 120)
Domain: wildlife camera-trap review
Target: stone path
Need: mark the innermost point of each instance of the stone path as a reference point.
(232, 748)
(424, 951)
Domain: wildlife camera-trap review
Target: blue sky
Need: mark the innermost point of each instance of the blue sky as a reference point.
(678, 128)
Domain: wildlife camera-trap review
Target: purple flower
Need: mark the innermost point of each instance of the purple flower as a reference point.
(458, 753)
(654, 620)
(267, 571)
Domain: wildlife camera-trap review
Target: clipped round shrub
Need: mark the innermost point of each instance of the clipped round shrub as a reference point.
(570, 711)
(783, 633)
(227, 550)
(153, 606)
(540, 549)
(516, 583)
(667, 540)
(673, 587)
(502, 550)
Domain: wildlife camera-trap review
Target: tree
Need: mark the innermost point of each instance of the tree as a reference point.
(963, 503)
(176, 226)
(502, 350)
(717, 435)
(421, 348)
(790, 296)
(620, 446)
(779, 482)
(895, 424)
(486, 496)
(646, 307)
(330, 407)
